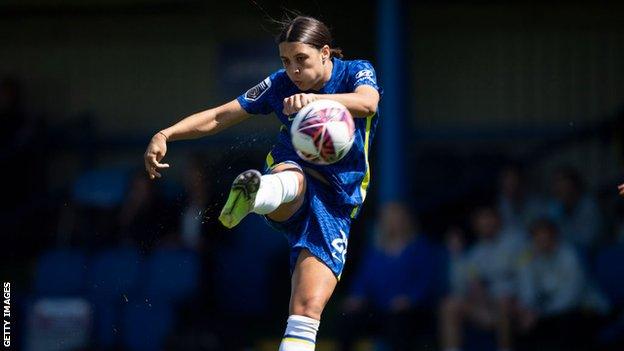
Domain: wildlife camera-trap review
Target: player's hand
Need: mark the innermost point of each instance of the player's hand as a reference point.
(294, 103)
(155, 152)
(621, 189)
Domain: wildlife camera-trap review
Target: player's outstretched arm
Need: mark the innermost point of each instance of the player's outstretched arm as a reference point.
(361, 103)
(200, 124)
(621, 189)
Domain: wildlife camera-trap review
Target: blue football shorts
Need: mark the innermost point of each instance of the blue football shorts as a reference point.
(320, 225)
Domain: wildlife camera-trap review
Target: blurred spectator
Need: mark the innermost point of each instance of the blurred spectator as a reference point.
(20, 130)
(192, 221)
(575, 212)
(144, 217)
(551, 285)
(396, 282)
(517, 207)
(618, 223)
(455, 239)
(23, 154)
(484, 284)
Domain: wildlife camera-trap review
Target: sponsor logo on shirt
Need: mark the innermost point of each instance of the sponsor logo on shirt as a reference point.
(256, 92)
(364, 75)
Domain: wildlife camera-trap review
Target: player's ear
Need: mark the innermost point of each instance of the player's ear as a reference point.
(325, 53)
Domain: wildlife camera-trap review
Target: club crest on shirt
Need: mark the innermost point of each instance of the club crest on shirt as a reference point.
(256, 92)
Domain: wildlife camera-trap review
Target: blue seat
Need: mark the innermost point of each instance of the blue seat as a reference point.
(113, 280)
(609, 270)
(479, 340)
(146, 325)
(101, 188)
(248, 254)
(61, 272)
(171, 274)
(114, 272)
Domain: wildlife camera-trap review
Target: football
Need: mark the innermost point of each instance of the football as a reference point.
(323, 132)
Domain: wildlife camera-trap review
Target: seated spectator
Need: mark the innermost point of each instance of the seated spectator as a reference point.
(455, 239)
(193, 219)
(517, 207)
(143, 218)
(551, 290)
(484, 284)
(395, 282)
(575, 212)
(22, 145)
(25, 157)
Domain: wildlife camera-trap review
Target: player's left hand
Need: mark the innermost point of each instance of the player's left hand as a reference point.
(621, 189)
(294, 103)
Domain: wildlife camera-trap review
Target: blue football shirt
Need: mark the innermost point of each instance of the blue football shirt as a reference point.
(349, 177)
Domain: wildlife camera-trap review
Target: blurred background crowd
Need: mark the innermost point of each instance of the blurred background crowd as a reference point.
(506, 232)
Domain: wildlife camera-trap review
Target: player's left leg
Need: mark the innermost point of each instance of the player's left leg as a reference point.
(312, 285)
(279, 194)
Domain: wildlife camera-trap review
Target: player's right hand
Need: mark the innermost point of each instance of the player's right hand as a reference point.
(155, 152)
(621, 189)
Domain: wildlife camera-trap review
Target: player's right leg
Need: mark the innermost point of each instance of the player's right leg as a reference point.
(278, 195)
(312, 285)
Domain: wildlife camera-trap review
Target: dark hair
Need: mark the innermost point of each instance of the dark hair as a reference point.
(307, 30)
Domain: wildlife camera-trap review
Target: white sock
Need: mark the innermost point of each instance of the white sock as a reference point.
(300, 334)
(275, 189)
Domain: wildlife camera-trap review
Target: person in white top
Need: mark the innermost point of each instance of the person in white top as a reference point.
(484, 283)
(551, 287)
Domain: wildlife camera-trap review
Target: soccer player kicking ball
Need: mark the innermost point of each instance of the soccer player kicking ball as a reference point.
(312, 204)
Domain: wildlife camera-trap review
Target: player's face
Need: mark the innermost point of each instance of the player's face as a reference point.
(304, 64)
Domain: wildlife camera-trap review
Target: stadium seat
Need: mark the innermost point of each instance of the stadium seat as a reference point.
(114, 272)
(113, 280)
(258, 243)
(101, 188)
(145, 325)
(609, 270)
(61, 272)
(479, 340)
(171, 274)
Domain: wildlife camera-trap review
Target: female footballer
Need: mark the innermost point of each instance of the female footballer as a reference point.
(312, 204)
